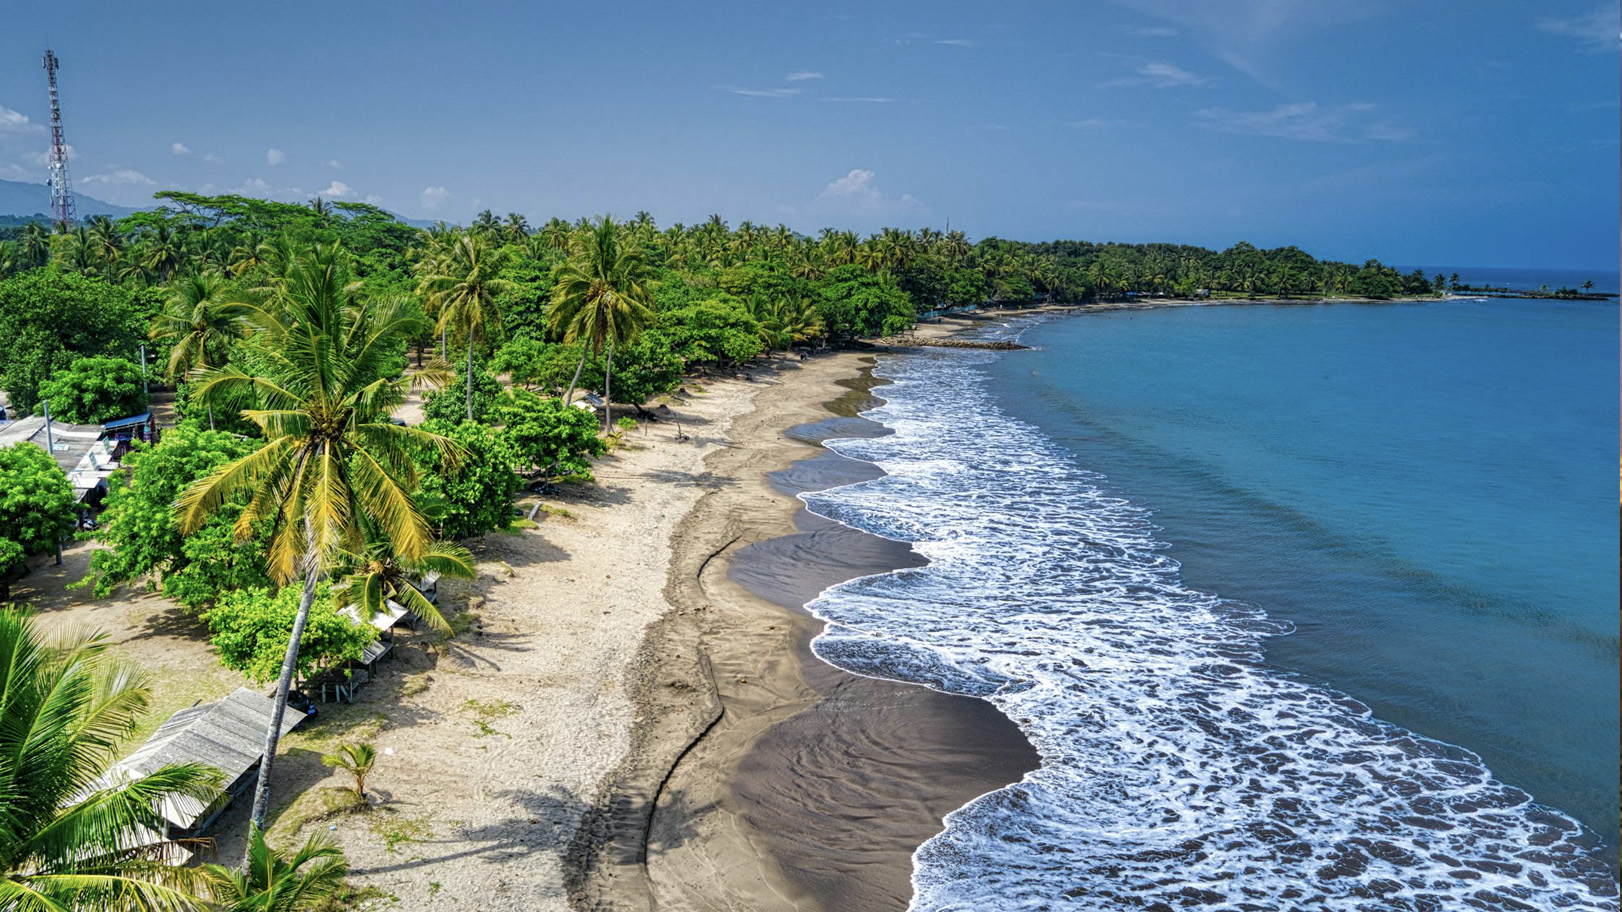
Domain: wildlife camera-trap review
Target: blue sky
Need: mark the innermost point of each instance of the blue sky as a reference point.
(1440, 133)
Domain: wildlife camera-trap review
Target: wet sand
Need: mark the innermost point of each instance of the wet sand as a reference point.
(797, 785)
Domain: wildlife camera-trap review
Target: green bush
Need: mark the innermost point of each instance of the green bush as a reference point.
(37, 506)
(548, 436)
(251, 628)
(716, 331)
(856, 302)
(476, 496)
(137, 523)
(94, 391)
(449, 403)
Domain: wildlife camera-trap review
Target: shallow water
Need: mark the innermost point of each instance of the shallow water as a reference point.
(1191, 756)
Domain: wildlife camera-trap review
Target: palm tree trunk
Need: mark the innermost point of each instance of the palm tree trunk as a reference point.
(442, 356)
(470, 376)
(576, 378)
(608, 391)
(211, 417)
(261, 790)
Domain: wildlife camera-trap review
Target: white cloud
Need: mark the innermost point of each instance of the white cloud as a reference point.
(179, 149)
(274, 157)
(859, 99)
(211, 158)
(1597, 31)
(802, 75)
(858, 194)
(122, 176)
(1155, 31)
(434, 197)
(17, 122)
(334, 164)
(1100, 123)
(760, 93)
(955, 42)
(42, 157)
(373, 199)
(1245, 34)
(1309, 122)
(10, 171)
(1159, 76)
(336, 190)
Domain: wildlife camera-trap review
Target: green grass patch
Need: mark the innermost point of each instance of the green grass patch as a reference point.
(397, 829)
(487, 711)
(318, 805)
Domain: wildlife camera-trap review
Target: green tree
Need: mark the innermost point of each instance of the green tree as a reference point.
(547, 436)
(716, 331)
(307, 880)
(855, 302)
(451, 405)
(600, 298)
(94, 390)
(463, 288)
(199, 323)
(142, 534)
(475, 496)
(332, 459)
(67, 707)
(36, 500)
(12, 562)
(47, 319)
(251, 627)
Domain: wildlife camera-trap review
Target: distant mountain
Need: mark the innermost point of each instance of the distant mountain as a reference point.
(24, 199)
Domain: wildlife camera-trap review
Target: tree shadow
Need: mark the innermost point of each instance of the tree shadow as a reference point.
(709, 481)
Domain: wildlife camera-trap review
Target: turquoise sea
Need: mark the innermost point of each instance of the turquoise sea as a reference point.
(1300, 604)
(1425, 491)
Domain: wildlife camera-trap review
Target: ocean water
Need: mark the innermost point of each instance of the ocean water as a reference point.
(1303, 607)
(1606, 280)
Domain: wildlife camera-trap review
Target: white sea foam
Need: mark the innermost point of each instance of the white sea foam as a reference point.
(1178, 771)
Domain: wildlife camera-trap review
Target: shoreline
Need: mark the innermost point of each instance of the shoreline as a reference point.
(761, 759)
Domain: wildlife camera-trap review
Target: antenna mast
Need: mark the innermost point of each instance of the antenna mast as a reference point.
(61, 189)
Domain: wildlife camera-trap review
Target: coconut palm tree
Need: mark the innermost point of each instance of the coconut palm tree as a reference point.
(333, 464)
(356, 759)
(271, 882)
(600, 299)
(65, 826)
(36, 244)
(381, 574)
(462, 289)
(198, 322)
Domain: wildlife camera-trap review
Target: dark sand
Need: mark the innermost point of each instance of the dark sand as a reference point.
(760, 778)
(845, 788)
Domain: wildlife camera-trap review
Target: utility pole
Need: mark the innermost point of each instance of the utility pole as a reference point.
(144, 390)
(61, 187)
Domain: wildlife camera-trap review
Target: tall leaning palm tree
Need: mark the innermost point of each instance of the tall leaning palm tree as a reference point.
(600, 299)
(462, 289)
(65, 707)
(198, 322)
(333, 464)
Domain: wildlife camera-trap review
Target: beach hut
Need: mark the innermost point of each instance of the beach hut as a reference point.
(228, 735)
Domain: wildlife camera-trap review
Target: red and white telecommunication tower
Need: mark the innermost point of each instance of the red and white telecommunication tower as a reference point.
(61, 190)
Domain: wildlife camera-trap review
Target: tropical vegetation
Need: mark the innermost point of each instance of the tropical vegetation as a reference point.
(71, 835)
(293, 501)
